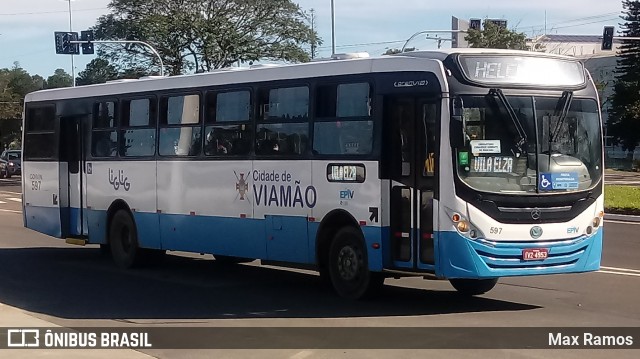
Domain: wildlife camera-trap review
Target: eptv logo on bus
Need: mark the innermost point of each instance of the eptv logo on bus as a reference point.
(347, 194)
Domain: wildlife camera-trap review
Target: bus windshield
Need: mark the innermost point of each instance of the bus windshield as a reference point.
(524, 144)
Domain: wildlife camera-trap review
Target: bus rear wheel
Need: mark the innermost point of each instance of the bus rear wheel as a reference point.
(348, 266)
(123, 240)
(473, 286)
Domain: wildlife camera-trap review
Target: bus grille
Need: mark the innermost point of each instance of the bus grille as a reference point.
(508, 255)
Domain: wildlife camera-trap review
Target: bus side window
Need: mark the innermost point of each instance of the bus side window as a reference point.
(227, 130)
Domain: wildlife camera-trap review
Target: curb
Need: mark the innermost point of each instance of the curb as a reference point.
(622, 217)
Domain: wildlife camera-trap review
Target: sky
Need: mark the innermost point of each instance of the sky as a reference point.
(27, 26)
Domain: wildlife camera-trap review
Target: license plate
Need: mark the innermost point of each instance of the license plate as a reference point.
(535, 254)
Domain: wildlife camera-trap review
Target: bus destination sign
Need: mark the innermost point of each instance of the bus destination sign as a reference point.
(522, 70)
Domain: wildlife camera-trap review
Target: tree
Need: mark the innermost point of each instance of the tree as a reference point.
(624, 115)
(60, 78)
(201, 35)
(493, 36)
(98, 71)
(15, 83)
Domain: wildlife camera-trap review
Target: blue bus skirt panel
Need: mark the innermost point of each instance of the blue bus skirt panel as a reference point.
(44, 220)
(460, 257)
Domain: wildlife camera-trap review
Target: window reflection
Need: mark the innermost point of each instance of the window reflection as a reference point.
(282, 139)
(227, 140)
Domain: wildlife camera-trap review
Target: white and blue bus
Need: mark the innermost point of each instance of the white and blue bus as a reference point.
(467, 165)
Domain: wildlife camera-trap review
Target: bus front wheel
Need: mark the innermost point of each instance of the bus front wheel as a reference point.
(473, 286)
(123, 240)
(348, 266)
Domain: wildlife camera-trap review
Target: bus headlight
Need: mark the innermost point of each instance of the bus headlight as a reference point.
(463, 226)
(596, 222)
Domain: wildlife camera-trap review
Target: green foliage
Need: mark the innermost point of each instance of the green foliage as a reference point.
(15, 84)
(202, 35)
(60, 78)
(624, 115)
(493, 36)
(97, 71)
(100, 70)
(622, 199)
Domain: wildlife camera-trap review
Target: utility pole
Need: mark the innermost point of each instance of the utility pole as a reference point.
(313, 30)
(333, 29)
(73, 67)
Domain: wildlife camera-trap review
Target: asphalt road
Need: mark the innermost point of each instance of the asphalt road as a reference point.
(77, 286)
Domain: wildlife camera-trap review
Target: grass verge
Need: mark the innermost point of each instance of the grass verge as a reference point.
(622, 199)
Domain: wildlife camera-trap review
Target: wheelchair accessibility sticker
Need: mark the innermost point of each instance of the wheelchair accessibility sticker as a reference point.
(558, 181)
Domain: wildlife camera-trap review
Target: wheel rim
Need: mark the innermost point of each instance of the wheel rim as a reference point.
(348, 264)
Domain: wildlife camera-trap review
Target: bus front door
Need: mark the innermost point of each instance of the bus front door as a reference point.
(72, 177)
(412, 137)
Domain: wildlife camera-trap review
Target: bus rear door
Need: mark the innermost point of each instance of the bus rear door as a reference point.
(413, 142)
(73, 176)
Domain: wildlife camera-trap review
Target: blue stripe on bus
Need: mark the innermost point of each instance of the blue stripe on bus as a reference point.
(278, 238)
(274, 238)
(473, 259)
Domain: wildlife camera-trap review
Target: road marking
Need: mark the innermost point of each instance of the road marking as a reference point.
(12, 193)
(620, 273)
(10, 211)
(1, 202)
(15, 199)
(621, 222)
(621, 269)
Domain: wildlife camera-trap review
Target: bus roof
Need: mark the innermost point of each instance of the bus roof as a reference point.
(408, 61)
(441, 54)
(248, 75)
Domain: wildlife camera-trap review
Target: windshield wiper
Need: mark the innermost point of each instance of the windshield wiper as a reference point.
(512, 115)
(562, 109)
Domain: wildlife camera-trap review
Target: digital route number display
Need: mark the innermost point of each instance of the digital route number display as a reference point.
(337, 172)
(497, 164)
(523, 71)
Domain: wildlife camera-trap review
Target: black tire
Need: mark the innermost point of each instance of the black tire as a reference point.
(231, 260)
(473, 286)
(123, 240)
(348, 266)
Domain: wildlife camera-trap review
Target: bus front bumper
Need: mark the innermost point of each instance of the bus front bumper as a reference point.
(461, 257)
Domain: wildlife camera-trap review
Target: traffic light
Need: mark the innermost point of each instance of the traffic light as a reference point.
(607, 38)
(502, 23)
(475, 24)
(64, 45)
(87, 48)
